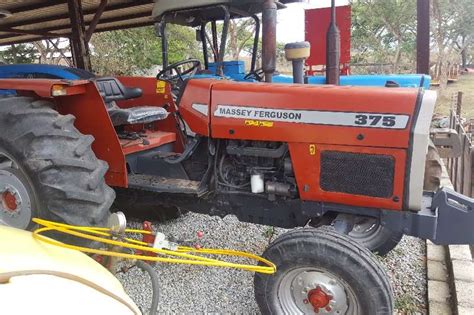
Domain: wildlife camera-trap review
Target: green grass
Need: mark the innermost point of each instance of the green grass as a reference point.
(465, 84)
(269, 233)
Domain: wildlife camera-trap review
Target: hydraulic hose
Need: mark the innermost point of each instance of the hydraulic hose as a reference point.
(155, 282)
(182, 255)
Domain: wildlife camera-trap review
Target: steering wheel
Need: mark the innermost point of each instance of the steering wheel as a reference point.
(167, 73)
(257, 75)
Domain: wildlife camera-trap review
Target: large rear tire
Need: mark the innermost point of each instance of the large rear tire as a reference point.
(47, 168)
(433, 169)
(321, 271)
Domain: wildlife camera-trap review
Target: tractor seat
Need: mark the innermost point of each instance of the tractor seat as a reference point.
(112, 90)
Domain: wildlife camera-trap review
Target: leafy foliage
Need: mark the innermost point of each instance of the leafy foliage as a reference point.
(131, 51)
(241, 37)
(20, 53)
(240, 42)
(452, 26)
(384, 31)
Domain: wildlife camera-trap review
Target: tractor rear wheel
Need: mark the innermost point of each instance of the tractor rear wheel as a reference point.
(47, 168)
(433, 169)
(322, 271)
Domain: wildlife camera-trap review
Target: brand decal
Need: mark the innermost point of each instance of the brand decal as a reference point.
(354, 119)
(258, 123)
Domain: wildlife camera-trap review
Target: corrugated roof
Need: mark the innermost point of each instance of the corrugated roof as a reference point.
(33, 20)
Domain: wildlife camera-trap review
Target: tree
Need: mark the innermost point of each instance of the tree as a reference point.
(384, 31)
(241, 37)
(452, 25)
(133, 51)
(463, 28)
(19, 53)
(53, 51)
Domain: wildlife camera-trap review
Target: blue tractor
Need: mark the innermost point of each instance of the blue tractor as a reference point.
(40, 71)
(235, 70)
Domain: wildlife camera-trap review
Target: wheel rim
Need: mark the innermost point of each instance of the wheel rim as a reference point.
(315, 291)
(365, 229)
(15, 203)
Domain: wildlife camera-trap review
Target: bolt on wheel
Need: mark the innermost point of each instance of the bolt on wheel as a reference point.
(308, 291)
(365, 228)
(15, 202)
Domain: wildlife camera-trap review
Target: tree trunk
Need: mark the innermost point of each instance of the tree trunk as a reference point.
(233, 43)
(398, 56)
(438, 32)
(464, 58)
(443, 75)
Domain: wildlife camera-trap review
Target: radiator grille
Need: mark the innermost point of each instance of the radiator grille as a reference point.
(357, 173)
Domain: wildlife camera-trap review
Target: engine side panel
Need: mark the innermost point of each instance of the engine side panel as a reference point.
(348, 145)
(359, 176)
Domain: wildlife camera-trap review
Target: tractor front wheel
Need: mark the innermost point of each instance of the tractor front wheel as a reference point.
(372, 235)
(320, 271)
(47, 168)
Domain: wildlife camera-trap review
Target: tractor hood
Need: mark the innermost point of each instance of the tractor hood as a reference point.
(191, 13)
(385, 123)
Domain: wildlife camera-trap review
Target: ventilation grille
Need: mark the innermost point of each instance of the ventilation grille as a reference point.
(357, 174)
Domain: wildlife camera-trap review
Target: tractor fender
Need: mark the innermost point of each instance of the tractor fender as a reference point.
(92, 119)
(81, 99)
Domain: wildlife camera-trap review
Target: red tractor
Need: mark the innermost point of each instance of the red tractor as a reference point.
(281, 155)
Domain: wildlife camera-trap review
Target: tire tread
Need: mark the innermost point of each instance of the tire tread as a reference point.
(327, 238)
(67, 176)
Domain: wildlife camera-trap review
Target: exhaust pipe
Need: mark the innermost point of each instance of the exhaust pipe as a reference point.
(333, 49)
(269, 19)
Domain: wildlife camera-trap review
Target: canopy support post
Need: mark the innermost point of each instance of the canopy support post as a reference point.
(79, 45)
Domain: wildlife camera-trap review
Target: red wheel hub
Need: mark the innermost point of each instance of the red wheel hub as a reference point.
(9, 201)
(319, 299)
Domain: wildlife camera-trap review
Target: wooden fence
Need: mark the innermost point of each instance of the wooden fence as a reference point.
(461, 169)
(453, 72)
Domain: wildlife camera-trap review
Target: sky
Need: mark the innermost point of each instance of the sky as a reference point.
(291, 20)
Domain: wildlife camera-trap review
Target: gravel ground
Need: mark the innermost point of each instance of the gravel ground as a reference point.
(406, 267)
(187, 289)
